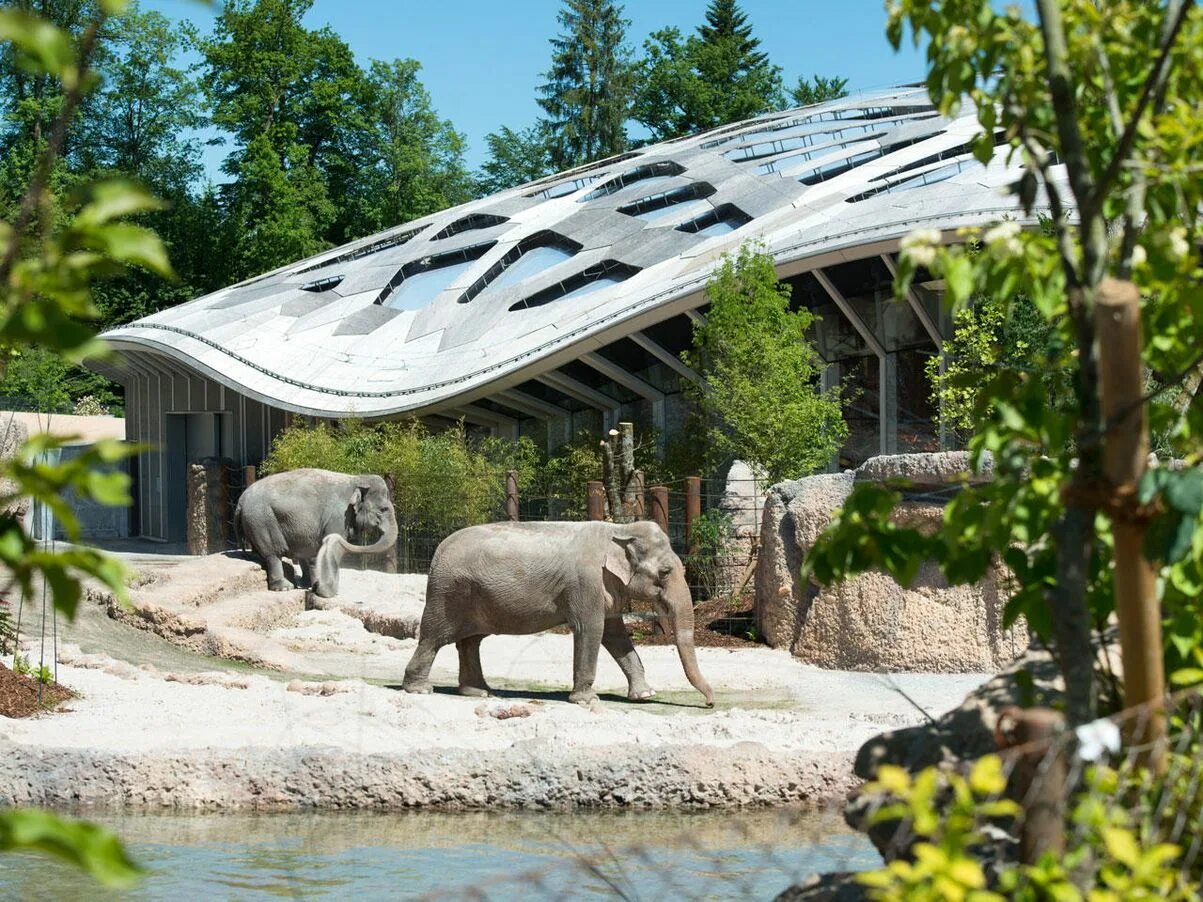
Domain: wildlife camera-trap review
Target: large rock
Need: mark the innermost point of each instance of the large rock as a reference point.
(743, 503)
(870, 622)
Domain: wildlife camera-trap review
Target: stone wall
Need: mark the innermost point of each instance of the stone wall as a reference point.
(870, 622)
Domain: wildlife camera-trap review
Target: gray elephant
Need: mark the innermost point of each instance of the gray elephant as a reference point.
(289, 514)
(519, 578)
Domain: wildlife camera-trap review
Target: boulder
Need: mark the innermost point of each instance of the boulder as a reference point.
(870, 622)
(743, 503)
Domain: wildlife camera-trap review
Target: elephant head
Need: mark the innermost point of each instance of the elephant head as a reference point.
(641, 564)
(369, 510)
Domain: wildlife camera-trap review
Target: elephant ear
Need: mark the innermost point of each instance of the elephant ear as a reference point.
(618, 558)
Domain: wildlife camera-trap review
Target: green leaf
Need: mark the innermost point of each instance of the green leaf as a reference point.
(113, 199)
(130, 244)
(42, 43)
(93, 849)
(1122, 846)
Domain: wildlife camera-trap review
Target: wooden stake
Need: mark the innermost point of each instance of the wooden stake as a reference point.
(1125, 456)
(511, 495)
(595, 500)
(660, 506)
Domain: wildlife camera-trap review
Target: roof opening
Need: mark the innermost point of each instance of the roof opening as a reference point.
(532, 255)
(719, 221)
(364, 250)
(656, 205)
(419, 282)
(638, 174)
(323, 284)
(586, 281)
(468, 223)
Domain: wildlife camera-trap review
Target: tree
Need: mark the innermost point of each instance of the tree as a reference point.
(587, 92)
(1101, 110)
(709, 79)
(292, 100)
(817, 89)
(412, 162)
(515, 158)
(759, 399)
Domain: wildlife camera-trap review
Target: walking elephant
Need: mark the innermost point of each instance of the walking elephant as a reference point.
(519, 578)
(289, 514)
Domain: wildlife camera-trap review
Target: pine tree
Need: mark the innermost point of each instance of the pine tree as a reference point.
(709, 79)
(726, 23)
(587, 93)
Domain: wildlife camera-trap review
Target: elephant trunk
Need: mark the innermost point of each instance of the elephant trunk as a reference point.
(330, 556)
(681, 607)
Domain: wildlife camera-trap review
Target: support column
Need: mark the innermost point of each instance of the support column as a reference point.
(887, 402)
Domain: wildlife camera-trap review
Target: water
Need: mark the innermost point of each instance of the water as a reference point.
(633, 855)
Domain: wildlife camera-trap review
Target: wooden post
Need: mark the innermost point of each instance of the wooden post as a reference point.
(595, 500)
(1040, 777)
(660, 506)
(511, 495)
(1125, 456)
(248, 477)
(693, 507)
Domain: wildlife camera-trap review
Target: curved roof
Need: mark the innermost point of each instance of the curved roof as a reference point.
(437, 311)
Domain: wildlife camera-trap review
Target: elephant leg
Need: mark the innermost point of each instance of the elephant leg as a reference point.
(618, 644)
(275, 574)
(471, 676)
(586, 641)
(417, 672)
(308, 568)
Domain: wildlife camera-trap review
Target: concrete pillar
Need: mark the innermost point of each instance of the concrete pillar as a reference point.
(887, 402)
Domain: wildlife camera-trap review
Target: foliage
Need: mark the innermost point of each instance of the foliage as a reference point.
(587, 92)
(989, 335)
(759, 399)
(414, 160)
(1112, 96)
(948, 814)
(515, 158)
(443, 480)
(705, 80)
(86, 846)
(710, 535)
(47, 266)
(818, 89)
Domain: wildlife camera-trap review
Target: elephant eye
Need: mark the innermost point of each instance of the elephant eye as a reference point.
(665, 571)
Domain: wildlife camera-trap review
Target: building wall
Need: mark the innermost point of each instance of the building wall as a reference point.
(158, 391)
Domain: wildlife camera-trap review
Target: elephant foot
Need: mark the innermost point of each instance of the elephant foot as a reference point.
(582, 696)
(279, 585)
(639, 695)
(418, 688)
(475, 691)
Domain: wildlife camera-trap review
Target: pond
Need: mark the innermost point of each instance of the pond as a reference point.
(632, 855)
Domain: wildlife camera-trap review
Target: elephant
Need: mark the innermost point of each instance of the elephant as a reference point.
(291, 513)
(520, 578)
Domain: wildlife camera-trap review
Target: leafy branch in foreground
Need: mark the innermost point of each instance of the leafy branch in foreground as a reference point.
(1099, 107)
(47, 270)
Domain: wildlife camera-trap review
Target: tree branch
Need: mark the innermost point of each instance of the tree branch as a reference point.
(54, 144)
(1153, 86)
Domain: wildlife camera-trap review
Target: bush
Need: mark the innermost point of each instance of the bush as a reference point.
(442, 481)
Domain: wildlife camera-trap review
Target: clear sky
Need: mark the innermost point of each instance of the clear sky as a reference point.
(482, 59)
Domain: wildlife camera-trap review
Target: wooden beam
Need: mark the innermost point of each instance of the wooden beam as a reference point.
(672, 361)
(622, 377)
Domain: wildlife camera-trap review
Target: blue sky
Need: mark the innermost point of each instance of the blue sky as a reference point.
(482, 59)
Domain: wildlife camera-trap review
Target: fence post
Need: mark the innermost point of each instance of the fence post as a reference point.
(660, 506)
(511, 495)
(693, 507)
(1125, 457)
(248, 477)
(1040, 777)
(595, 499)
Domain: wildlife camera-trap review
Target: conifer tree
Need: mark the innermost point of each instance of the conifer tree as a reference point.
(716, 76)
(587, 92)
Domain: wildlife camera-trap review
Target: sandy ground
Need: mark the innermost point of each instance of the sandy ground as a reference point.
(151, 736)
